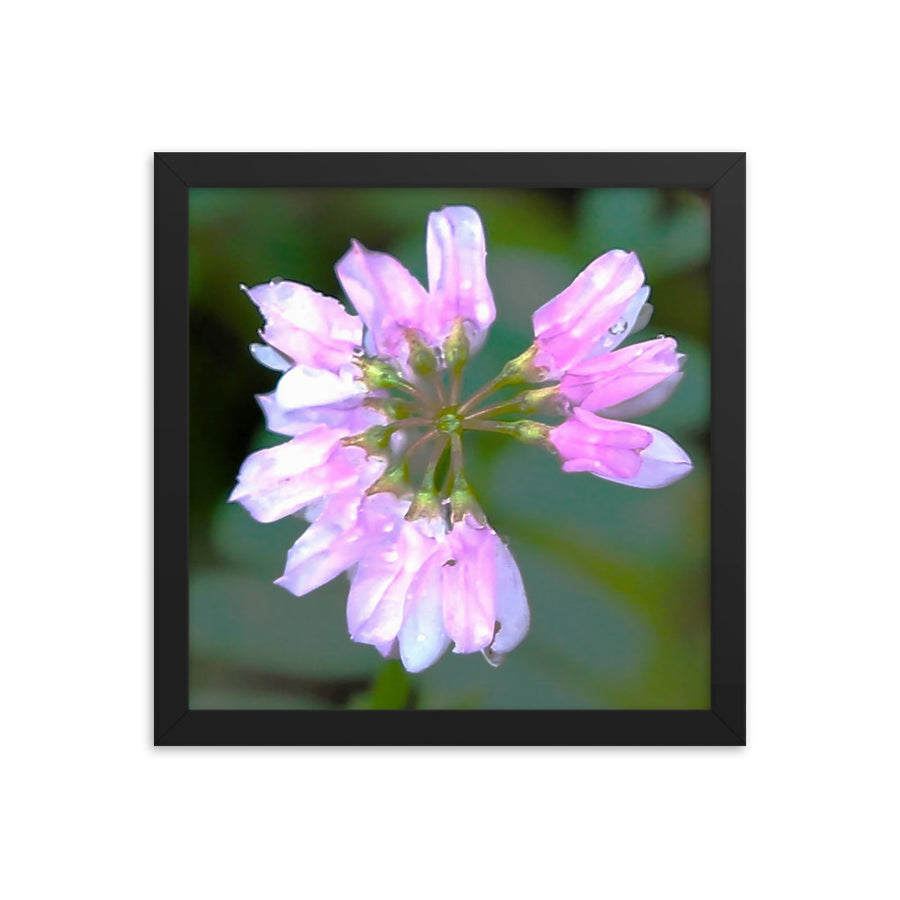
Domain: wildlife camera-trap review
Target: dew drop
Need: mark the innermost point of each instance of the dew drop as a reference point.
(276, 280)
(420, 638)
(659, 337)
(619, 327)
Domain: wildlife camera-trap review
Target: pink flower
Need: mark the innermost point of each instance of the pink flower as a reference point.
(426, 569)
(593, 315)
(393, 305)
(618, 451)
(651, 370)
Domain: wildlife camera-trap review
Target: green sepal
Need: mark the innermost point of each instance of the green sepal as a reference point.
(425, 505)
(378, 373)
(456, 348)
(392, 407)
(522, 369)
(463, 502)
(394, 481)
(375, 440)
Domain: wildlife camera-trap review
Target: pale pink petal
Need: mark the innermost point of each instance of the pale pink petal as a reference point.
(662, 463)
(646, 402)
(593, 315)
(457, 280)
(338, 538)
(378, 593)
(422, 637)
(281, 480)
(618, 451)
(387, 298)
(307, 327)
(468, 574)
(304, 386)
(510, 607)
(604, 381)
(348, 415)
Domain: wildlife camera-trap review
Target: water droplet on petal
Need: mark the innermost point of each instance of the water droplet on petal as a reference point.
(420, 638)
(276, 280)
(619, 327)
(659, 337)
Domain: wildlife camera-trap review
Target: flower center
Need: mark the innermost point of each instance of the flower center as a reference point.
(448, 421)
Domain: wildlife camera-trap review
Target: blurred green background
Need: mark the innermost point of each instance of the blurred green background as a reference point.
(617, 578)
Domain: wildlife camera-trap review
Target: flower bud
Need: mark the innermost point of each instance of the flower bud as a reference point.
(526, 431)
(422, 359)
(456, 347)
(522, 369)
(377, 373)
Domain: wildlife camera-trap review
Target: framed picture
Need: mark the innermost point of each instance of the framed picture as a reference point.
(450, 448)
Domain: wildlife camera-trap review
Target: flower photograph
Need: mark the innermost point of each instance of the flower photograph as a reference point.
(449, 448)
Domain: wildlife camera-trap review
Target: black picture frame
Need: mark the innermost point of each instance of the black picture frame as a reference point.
(724, 176)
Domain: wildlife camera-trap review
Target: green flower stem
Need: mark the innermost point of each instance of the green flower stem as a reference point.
(547, 400)
(520, 370)
(525, 430)
(498, 409)
(456, 457)
(480, 425)
(421, 442)
(431, 469)
(408, 423)
(426, 503)
(455, 385)
(484, 391)
(462, 500)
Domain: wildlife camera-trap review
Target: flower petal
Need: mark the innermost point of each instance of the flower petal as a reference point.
(305, 386)
(306, 326)
(281, 480)
(457, 280)
(662, 463)
(510, 607)
(422, 637)
(378, 593)
(646, 402)
(593, 315)
(468, 573)
(604, 381)
(387, 298)
(350, 415)
(619, 451)
(337, 539)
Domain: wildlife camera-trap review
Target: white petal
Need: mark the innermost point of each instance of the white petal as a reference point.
(422, 636)
(511, 605)
(303, 386)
